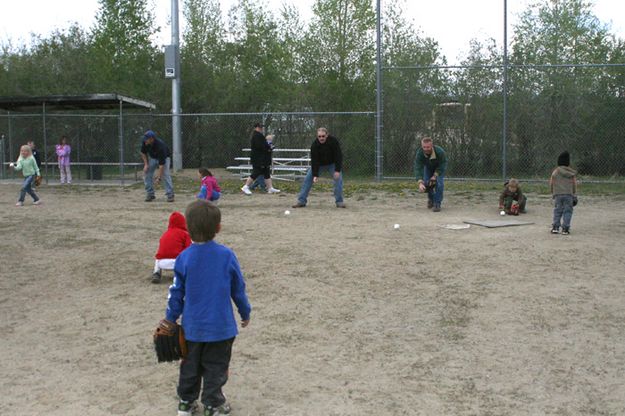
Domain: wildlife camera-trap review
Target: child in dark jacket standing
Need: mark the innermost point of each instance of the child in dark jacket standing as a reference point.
(563, 184)
(206, 277)
(172, 242)
(209, 189)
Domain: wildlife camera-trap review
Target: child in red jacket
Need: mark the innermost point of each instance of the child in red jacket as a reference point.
(172, 242)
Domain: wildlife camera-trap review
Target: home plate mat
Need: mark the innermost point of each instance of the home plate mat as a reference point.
(497, 223)
(456, 226)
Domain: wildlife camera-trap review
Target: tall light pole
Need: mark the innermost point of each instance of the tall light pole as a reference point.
(504, 135)
(379, 155)
(175, 90)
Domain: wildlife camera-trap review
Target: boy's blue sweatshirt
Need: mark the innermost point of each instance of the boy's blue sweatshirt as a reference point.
(206, 276)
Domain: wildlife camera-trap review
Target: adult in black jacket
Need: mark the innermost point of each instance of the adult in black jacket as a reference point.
(261, 161)
(325, 155)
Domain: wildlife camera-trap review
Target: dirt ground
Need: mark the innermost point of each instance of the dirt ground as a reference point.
(350, 316)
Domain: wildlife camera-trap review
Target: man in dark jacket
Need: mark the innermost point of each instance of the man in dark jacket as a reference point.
(325, 155)
(261, 161)
(430, 165)
(36, 154)
(156, 154)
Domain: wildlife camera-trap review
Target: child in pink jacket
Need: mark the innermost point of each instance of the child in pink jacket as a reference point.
(62, 152)
(210, 189)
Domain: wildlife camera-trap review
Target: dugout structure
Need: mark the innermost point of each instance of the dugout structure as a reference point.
(114, 104)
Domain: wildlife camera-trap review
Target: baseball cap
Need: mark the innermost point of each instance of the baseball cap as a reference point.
(149, 134)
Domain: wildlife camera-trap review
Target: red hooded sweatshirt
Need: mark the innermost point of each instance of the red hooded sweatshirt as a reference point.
(175, 239)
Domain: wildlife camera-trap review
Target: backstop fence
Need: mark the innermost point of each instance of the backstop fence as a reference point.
(550, 109)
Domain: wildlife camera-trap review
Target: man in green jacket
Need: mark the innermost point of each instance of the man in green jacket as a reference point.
(429, 166)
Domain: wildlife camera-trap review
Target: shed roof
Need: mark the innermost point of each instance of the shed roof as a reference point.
(74, 102)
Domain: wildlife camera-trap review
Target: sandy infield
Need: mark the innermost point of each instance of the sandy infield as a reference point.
(350, 316)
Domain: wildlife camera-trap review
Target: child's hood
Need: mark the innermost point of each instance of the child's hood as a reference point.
(177, 220)
(566, 171)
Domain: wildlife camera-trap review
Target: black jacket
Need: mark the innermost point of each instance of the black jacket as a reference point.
(157, 150)
(326, 154)
(261, 150)
(37, 157)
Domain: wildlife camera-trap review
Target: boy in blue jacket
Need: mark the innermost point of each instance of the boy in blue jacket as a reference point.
(206, 276)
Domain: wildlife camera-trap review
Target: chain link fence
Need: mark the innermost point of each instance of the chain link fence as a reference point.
(208, 140)
(550, 109)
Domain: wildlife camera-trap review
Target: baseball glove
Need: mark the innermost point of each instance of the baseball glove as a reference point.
(38, 180)
(169, 342)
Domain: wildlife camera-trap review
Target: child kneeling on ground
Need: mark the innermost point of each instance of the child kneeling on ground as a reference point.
(512, 200)
(210, 188)
(171, 244)
(207, 276)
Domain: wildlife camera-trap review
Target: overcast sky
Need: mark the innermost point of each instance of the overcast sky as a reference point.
(452, 22)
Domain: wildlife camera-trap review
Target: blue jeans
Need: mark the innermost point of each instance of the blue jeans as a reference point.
(436, 194)
(563, 211)
(166, 179)
(302, 198)
(259, 183)
(215, 196)
(27, 188)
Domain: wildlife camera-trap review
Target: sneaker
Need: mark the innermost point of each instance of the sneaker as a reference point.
(246, 190)
(37, 202)
(156, 277)
(224, 409)
(170, 198)
(150, 198)
(340, 205)
(554, 230)
(186, 408)
(19, 204)
(565, 231)
(430, 204)
(298, 205)
(437, 208)
(273, 191)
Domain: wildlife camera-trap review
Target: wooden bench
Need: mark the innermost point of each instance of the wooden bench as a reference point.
(282, 168)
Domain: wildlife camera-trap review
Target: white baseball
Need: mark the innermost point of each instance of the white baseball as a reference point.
(502, 213)
(396, 226)
(287, 212)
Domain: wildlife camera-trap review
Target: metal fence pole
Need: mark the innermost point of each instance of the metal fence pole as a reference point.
(379, 170)
(45, 141)
(120, 129)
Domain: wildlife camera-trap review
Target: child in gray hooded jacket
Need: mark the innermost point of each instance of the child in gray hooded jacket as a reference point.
(563, 185)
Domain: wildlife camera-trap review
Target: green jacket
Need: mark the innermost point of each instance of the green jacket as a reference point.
(436, 162)
(28, 166)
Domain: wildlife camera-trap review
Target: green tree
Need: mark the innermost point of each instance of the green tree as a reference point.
(337, 65)
(410, 95)
(123, 55)
(559, 108)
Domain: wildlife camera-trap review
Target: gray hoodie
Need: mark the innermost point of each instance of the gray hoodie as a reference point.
(563, 181)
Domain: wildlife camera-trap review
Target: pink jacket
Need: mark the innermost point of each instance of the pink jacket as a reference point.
(63, 151)
(211, 185)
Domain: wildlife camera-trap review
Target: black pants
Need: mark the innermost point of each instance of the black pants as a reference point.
(207, 361)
